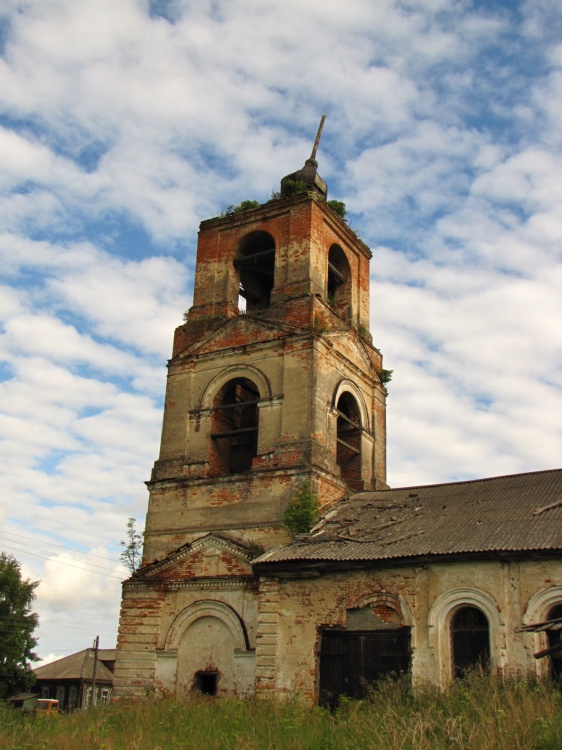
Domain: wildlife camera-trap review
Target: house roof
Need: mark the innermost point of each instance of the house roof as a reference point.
(79, 666)
(22, 697)
(509, 514)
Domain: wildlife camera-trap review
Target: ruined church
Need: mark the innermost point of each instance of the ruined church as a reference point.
(274, 385)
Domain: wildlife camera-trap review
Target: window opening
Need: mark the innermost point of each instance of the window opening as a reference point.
(234, 427)
(554, 639)
(339, 282)
(255, 264)
(348, 451)
(72, 696)
(470, 641)
(207, 682)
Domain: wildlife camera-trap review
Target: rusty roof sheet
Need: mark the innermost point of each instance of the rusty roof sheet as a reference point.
(521, 512)
(79, 666)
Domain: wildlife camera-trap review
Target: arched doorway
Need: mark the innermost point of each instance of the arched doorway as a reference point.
(470, 641)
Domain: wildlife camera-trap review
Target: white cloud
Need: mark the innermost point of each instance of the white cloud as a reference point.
(121, 130)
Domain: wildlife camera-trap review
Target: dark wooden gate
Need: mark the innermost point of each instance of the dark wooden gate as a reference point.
(352, 662)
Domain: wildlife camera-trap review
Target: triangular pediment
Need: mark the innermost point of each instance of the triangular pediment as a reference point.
(238, 331)
(207, 557)
(350, 345)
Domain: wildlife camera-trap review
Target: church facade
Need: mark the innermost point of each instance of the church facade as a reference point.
(274, 385)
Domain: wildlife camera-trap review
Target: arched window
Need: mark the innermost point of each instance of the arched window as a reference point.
(554, 639)
(234, 427)
(470, 640)
(338, 290)
(348, 450)
(255, 262)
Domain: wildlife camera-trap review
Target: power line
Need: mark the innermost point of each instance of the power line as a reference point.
(46, 551)
(53, 544)
(70, 565)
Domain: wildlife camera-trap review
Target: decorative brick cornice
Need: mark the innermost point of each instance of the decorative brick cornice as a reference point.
(209, 584)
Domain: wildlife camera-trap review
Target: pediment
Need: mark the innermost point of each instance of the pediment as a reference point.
(238, 331)
(207, 557)
(350, 345)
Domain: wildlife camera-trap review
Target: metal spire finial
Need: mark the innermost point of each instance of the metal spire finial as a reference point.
(308, 174)
(317, 141)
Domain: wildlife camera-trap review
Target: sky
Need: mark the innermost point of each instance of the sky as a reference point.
(125, 123)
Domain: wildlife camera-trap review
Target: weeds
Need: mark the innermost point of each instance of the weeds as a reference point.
(474, 713)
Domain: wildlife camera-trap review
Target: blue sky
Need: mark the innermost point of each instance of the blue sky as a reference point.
(124, 123)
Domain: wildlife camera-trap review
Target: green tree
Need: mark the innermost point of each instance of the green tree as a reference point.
(302, 511)
(132, 553)
(385, 376)
(17, 623)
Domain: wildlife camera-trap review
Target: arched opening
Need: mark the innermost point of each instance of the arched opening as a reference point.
(348, 449)
(234, 427)
(338, 291)
(255, 263)
(554, 641)
(470, 641)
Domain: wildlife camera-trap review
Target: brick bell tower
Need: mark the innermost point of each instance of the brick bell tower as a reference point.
(273, 382)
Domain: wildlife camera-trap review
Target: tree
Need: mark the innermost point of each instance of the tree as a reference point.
(17, 623)
(302, 511)
(132, 553)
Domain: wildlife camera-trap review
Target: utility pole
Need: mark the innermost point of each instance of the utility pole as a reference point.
(95, 647)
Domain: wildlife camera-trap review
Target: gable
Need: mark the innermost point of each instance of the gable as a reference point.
(349, 345)
(207, 557)
(237, 331)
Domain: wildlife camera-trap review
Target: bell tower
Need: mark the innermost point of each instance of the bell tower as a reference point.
(273, 382)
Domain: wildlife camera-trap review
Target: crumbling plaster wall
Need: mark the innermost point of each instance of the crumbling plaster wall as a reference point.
(426, 597)
(169, 632)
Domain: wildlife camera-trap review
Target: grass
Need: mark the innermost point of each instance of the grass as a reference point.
(479, 714)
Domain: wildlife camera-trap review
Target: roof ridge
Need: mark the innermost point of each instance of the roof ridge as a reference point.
(449, 484)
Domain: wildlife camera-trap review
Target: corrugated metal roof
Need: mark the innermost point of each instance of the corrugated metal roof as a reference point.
(79, 666)
(521, 512)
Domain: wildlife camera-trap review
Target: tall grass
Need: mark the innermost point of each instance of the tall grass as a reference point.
(478, 713)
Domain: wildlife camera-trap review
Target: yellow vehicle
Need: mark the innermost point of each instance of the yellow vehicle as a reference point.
(47, 706)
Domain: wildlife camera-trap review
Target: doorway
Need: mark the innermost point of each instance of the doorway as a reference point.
(351, 663)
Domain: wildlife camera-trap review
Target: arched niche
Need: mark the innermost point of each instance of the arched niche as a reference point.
(382, 604)
(207, 608)
(255, 266)
(213, 667)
